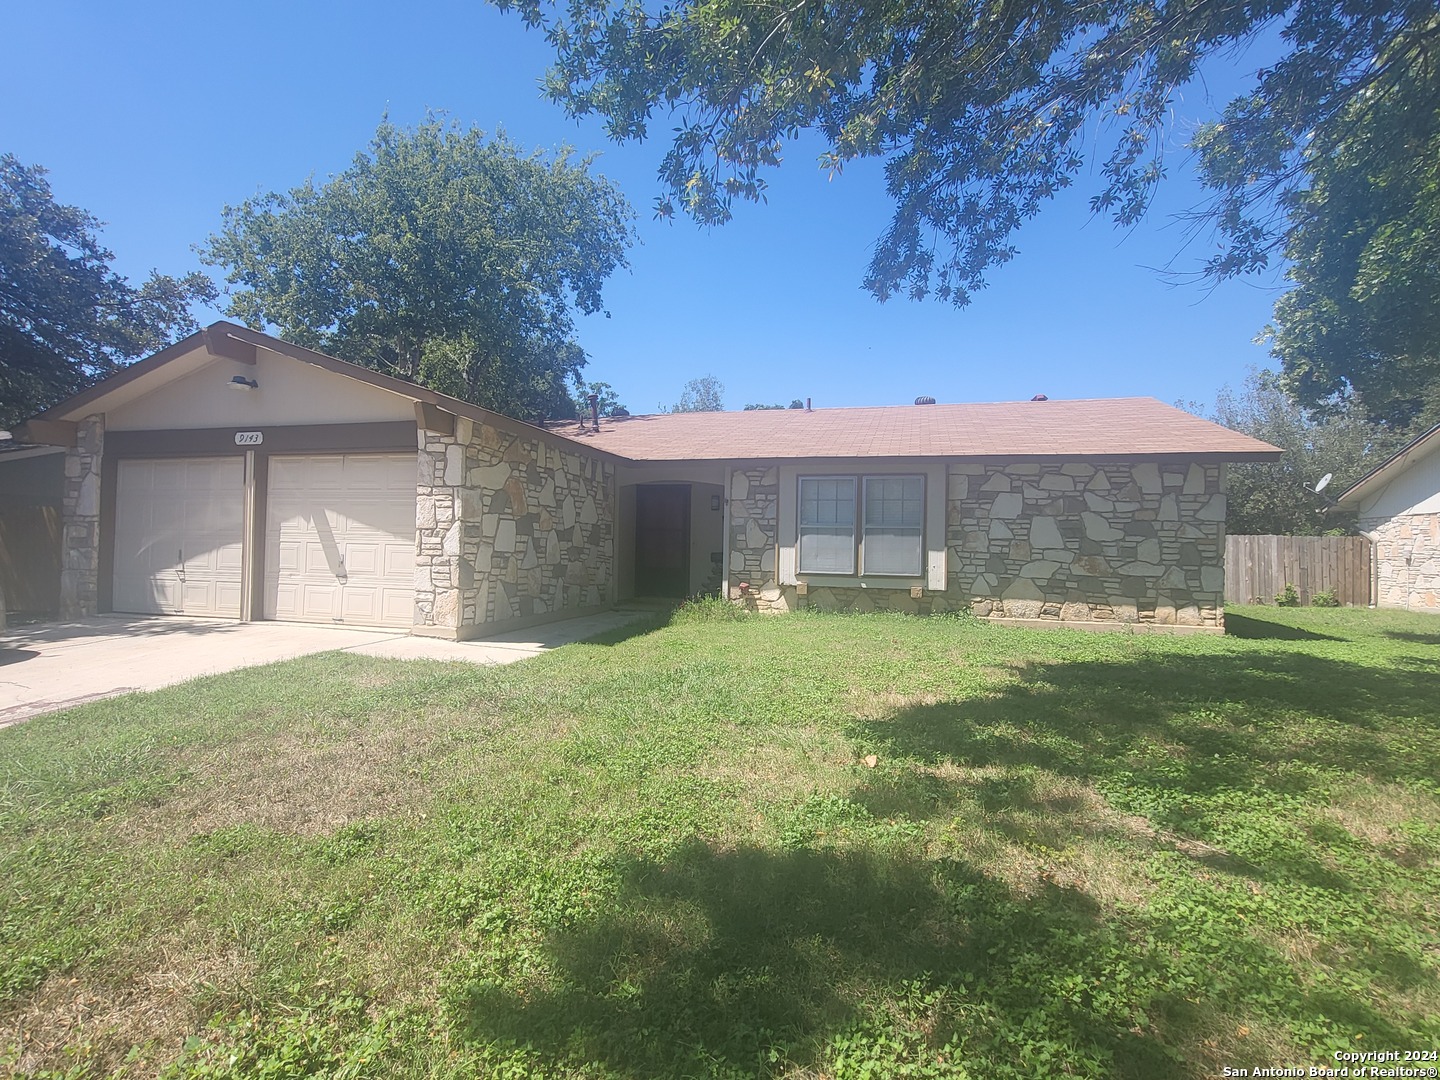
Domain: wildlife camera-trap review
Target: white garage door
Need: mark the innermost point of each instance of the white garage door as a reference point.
(340, 539)
(179, 536)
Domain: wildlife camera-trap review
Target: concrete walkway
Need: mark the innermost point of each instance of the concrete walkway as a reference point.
(51, 666)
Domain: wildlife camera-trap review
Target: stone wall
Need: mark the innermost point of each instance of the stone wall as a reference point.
(439, 481)
(80, 516)
(1125, 543)
(510, 527)
(754, 506)
(1073, 542)
(1407, 560)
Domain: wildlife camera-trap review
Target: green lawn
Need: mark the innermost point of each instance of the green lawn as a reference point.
(669, 855)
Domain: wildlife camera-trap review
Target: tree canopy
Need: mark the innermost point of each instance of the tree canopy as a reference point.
(981, 111)
(439, 256)
(607, 400)
(705, 394)
(1275, 497)
(66, 318)
(1364, 318)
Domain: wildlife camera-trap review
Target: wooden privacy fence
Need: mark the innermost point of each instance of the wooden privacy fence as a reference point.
(1259, 567)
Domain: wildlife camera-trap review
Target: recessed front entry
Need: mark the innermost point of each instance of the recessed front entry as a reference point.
(179, 536)
(340, 539)
(662, 540)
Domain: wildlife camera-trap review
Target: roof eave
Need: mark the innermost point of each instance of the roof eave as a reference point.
(233, 341)
(1206, 456)
(1397, 462)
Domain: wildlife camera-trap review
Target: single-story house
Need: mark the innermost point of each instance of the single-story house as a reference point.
(239, 476)
(1398, 506)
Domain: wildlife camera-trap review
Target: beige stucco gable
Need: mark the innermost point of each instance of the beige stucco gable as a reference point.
(288, 392)
(1414, 490)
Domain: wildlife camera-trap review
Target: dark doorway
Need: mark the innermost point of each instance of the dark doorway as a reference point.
(662, 540)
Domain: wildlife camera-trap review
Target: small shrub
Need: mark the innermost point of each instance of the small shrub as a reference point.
(1288, 596)
(1325, 599)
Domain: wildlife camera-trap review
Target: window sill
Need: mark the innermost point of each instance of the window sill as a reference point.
(867, 581)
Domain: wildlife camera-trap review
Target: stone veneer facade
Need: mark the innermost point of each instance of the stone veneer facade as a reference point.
(754, 505)
(1126, 544)
(509, 528)
(1406, 560)
(80, 516)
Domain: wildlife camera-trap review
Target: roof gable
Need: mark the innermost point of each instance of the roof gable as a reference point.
(1390, 470)
(242, 351)
(289, 392)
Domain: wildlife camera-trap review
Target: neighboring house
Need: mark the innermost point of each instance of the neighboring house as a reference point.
(31, 481)
(239, 476)
(1398, 505)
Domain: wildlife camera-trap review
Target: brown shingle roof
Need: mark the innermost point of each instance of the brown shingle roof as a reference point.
(1101, 427)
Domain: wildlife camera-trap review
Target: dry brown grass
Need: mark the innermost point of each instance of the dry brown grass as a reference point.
(297, 783)
(1374, 811)
(134, 1021)
(1062, 832)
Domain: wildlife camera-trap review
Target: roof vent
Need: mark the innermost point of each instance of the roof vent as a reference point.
(924, 399)
(1039, 397)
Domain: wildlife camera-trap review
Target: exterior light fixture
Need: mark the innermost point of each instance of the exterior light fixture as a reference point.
(240, 382)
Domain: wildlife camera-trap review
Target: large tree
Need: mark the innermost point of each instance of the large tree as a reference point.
(441, 257)
(1277, 497)
(66, 318)
(1364, 318)
(705, 394)
(981, 111)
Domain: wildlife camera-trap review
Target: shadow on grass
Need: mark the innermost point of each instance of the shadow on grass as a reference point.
(1248, 627)
(748, 962)
(754, 962)
(646, 623)
(1413, 638)
(1223, 721)
(1193, 737)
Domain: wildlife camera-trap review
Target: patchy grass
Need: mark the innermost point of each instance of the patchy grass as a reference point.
(668, 855)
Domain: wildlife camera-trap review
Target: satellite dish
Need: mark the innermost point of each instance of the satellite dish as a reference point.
(1322, 482)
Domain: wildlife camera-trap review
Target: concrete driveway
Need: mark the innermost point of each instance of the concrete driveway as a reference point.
(52, 666)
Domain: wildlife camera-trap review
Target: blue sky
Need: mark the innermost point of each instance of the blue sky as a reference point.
(153, 116)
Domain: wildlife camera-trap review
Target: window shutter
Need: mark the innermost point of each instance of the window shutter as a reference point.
(787, 564)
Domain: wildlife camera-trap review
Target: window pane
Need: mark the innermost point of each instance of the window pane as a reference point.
(827, 525)
(826, 501)
(892, 551)
(897, 501)
(827, 550)
(894, 519)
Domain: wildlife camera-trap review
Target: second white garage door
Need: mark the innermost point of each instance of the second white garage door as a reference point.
(340, 539)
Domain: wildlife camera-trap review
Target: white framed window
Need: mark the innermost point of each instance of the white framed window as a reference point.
(873, 525)
(893, 542)
(827, 524)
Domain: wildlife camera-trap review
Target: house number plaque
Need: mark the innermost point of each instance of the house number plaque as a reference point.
(249, 438)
